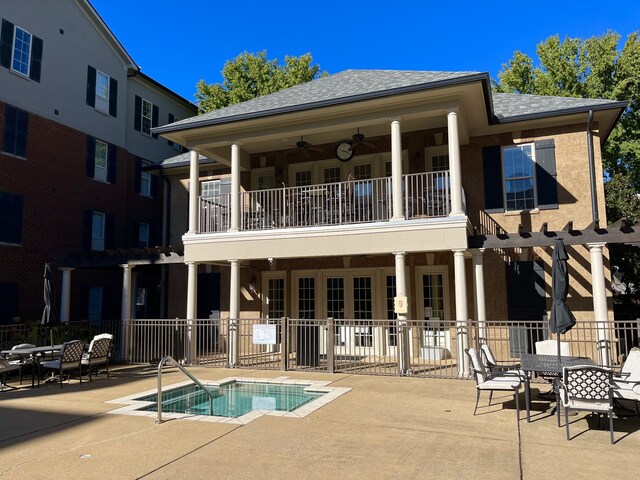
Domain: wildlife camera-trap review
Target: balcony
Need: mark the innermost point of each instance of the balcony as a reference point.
(425, 195)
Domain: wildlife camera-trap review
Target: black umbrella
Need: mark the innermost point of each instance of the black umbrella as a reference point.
(562, 320)
(49, 315)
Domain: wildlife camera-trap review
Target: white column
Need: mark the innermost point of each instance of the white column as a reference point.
(65, 294)
(234, 313)
(194, 191)
(192, 302)
(401, 321)
(454, 164)
(479, 299)
(599, 293)
(462, 316)
(235, 188)
(125, 311)
(396, 170)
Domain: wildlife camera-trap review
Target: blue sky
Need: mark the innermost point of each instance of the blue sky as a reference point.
(179, 42)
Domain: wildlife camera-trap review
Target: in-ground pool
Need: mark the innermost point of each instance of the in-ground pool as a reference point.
(232, 399)
(236, 399)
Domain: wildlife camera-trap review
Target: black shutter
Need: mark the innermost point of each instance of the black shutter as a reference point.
(36, 59)
(546, 177)
(112, 158)
(91, 86)
(6, 43)
(110, 231)
(492, 166)
(172, 118)
(154, 185)
(90, 164)
(22, 131)
(154, 119)
(137, 181)
(10, 123)
(87, 227)
(137, 114)
(113, 97)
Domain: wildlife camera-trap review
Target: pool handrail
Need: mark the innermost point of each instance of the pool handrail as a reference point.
(169, 358)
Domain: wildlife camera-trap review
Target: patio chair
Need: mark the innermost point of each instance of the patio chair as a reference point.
(550, 347)
(491, 382)
(70, 358)
(19, 359)
(498, 366)
(626, 385)
(586, 388)
(98, 353)
(5, 369)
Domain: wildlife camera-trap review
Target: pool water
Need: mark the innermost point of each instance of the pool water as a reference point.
(232, 400)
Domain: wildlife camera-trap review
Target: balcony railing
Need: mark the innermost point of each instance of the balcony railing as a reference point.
(425, 195)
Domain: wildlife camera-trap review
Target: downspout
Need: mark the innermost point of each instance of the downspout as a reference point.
(592, 173)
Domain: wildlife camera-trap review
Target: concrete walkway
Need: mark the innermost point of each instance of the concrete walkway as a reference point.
(384, 428)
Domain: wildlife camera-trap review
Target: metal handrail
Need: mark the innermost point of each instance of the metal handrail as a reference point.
(169, 358)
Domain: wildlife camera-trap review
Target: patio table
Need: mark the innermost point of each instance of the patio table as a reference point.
(549, 365)
(33, 353)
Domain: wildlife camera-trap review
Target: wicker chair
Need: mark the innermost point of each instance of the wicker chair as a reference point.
(70, 358)
(586, 388)
(491, 382)
(98, 353)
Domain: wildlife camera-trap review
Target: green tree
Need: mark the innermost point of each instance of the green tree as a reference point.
(252, 75)
(594, 68)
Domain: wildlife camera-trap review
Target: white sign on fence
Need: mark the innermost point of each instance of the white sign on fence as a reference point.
(264, 334)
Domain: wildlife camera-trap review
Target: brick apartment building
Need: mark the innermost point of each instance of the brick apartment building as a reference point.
(76, 115)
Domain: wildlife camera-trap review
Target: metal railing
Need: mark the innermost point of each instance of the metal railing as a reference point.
(169, 359)
(425, 195)
(375, 347)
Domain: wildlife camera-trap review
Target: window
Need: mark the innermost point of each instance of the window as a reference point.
(175, 146)
(147, 112)
(145, 180)
(16, 126)
(11, 218)
(331, 175)
(141, 302)
(101, 160)
(94, 313)
(146, 116)
(391, 311)
(143, 235)
(97, 231)
(213, 188)
(266, 182)
(100, 172)
(276, 299)
(20, 51)
(303, 178)
(439, 163)
(518, 164)
(102, 91)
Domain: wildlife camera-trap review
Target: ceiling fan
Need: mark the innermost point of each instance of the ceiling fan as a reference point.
(304, 147)
(359, 139)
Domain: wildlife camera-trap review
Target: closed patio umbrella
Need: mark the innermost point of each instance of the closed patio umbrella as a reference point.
(562, 320)
(49, 315)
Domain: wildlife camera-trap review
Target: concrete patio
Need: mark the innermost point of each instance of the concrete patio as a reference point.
(385, 427)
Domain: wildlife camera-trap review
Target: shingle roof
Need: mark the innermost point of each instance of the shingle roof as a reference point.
(178, 161)
(346, 86)
(511, 106)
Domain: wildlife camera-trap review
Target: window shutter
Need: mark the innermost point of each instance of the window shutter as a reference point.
(90, 165)
(109, 231)
(137, 181)
(154, 185)
(492, 166)
(113, 97)
(22, 131)
(546, 176)
(6, 43)
(11, 207)
(171, 120)
(36, 59)
(10, 121)
(91, 86)
(154, 119)
(137, 115)
(87, 224)
(112, 158)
